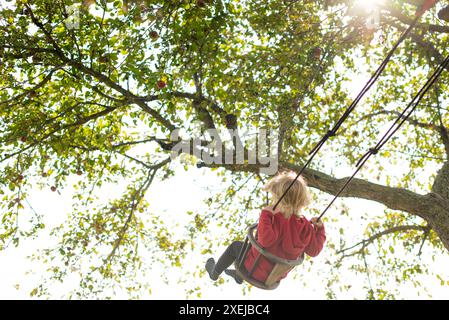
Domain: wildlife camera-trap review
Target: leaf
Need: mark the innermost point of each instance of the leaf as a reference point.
(34, 292)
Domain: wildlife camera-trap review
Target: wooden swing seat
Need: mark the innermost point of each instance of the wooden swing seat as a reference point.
(281, 266)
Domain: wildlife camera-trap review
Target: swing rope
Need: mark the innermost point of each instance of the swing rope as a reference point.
(333, 132)
(403, 117)
(353, 105)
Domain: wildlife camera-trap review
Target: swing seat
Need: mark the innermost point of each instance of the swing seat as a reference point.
(444, 14)
(281, 266)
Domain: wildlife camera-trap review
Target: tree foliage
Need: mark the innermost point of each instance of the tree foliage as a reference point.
(93, 91)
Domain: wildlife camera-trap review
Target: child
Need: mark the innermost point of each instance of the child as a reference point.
(283, 232)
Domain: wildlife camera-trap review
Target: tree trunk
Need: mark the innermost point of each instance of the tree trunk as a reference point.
(441, 184)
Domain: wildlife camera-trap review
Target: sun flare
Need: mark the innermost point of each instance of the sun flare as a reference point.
(369, 4)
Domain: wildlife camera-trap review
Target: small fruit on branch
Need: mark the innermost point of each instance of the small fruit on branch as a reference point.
(154, 35)
(161, 84)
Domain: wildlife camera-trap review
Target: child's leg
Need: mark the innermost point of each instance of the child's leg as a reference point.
(227, 258)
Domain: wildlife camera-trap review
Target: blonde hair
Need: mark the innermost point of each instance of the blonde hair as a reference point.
(297, 198)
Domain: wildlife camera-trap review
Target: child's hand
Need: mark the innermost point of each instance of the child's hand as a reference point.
(317, 223)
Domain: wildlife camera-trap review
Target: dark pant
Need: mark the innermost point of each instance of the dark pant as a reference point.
(228, 257)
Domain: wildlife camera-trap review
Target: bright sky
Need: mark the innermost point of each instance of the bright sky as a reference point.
(15, 268)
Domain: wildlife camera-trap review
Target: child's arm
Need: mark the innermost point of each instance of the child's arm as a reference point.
(267, 234)
(318, 238)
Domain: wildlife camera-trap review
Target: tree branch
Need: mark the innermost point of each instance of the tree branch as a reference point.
(80, 122)
(396, 13)
(137, 197)
(430, 126)
(364, 243)
(394, 198)
(46, 79)
(99, 76)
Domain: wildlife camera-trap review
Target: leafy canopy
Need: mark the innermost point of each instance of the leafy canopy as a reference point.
(91, 92)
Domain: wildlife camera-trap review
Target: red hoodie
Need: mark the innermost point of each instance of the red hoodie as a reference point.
(285, 238)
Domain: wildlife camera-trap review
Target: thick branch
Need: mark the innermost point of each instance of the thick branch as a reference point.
(394, 198)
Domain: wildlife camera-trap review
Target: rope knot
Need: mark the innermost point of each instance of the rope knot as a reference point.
(364, 158)
(374, 150)
(330, 133)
